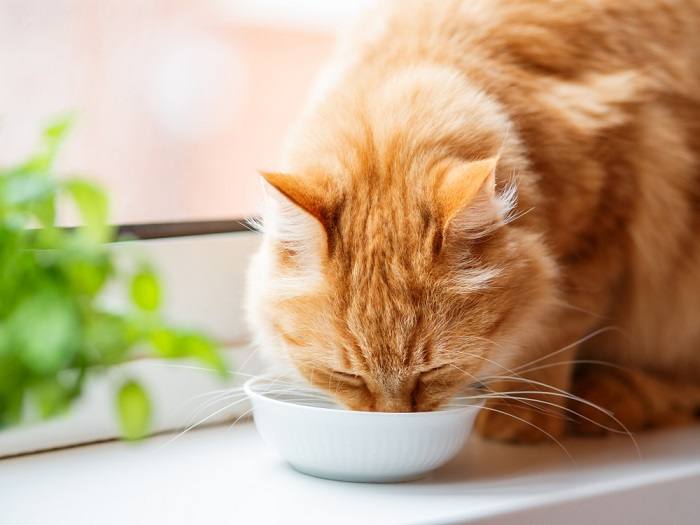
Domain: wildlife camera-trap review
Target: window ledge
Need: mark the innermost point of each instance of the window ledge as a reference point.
(182, 393)
(218, 475)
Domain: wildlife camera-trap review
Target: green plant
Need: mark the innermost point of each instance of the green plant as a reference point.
(53, 329)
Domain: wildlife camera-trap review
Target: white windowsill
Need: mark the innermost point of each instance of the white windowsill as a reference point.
(182, 393)
(219, 475)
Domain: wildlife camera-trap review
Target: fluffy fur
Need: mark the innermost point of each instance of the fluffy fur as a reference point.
(477, 185)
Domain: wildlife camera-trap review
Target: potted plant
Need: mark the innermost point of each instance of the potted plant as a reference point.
(54, 328)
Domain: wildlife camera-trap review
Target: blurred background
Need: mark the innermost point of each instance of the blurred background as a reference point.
(177, 102)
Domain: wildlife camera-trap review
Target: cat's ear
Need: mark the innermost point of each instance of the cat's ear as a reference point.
(466, 195)
(298, 207)
(305, 192)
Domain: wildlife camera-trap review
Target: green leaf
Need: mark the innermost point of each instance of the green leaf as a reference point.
(45, 211)
(87, 272)
(93, 206)
(145, 290)
(58, 129)
(27, 189)
(106, 339)
(165, 343)
(11, 407)
(173, 344)
(204, 350)
(54, 134)
(134, 410)
(12, 373)
(50, 396)
(45, 331)
(4, 344)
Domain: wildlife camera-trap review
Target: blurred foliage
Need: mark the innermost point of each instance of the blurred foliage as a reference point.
(53, 330)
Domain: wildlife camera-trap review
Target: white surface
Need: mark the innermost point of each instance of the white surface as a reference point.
(203, 278)
(181, 393)
(219, 475)
(319, 439)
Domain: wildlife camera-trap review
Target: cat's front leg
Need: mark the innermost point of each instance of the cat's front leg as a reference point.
(621, 400)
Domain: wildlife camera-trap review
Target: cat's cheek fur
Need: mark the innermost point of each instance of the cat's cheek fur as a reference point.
(540, 291)
(287, 308)
(265, 340)
(530, 293)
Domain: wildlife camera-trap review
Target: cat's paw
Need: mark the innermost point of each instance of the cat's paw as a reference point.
(517, 422)
(613, 403)
(622, 401)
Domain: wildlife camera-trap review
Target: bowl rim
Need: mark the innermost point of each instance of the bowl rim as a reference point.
(252, 394)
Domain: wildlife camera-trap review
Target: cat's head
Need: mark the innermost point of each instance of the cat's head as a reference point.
(388, 276)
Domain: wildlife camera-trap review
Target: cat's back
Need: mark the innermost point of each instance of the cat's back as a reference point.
(605, 96)
(536, 37)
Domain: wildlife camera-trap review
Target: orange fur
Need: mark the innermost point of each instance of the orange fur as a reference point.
(397, 267)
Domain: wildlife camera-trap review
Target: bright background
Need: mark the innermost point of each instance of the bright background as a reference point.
(178, 102)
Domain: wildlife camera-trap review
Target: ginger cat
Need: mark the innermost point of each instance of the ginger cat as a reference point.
(499, 197)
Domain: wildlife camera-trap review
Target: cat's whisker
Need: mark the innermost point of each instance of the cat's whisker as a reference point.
(529, 423)
(508, 396)
(573, 397)
(244, 414)
(298, 396)
(583, 339)
(202, 421)
(231, 371)
(533, 407)
(214, 392)
(554, 391)
(528, 402)
(484, 386)
(248, 359)
(464, 371)
(578, 362)
(224, 398)
(491, 361)
(564, 304)
(214, 396)
(224, 395)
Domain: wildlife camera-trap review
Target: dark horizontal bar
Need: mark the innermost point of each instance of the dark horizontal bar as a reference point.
(181, 229)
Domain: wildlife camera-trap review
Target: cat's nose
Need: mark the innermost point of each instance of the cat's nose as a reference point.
(394, 404)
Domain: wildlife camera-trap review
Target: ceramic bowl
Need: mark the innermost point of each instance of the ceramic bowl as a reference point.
(319, 438)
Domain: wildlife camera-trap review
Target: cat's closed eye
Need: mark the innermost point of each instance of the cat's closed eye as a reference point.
(441, 373)
(348, 378)
(436, 370)
(435, 385)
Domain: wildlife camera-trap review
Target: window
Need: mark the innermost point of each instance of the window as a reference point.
(177, 102)
(176, 105)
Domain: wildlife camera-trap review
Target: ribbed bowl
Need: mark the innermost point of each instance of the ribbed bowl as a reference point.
(318, 438)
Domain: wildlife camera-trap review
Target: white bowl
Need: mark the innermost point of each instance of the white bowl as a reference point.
(324, 440)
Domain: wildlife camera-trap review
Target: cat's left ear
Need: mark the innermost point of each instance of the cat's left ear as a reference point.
(299, 205)
(466, 195)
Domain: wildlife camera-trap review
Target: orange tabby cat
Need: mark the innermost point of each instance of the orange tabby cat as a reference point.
(484, 193)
